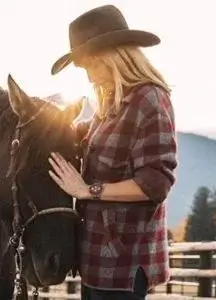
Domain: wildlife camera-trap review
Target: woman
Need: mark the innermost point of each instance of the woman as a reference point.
(129, 159)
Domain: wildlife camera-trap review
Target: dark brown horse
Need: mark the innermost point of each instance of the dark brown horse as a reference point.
(49, 238)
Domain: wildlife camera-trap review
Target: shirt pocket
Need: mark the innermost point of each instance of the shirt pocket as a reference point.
(111, 236)
(112, 170)
(132, 221)
(110, 162)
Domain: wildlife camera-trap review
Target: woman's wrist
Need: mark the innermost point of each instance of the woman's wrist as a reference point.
(93, 191)
(85, 194)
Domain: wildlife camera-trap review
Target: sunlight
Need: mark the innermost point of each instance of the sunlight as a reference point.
(73, 84)
(39, 44)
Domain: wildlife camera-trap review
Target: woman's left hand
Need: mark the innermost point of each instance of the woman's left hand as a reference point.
(67, 177)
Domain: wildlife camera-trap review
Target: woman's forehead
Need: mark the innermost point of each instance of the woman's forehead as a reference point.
(87, 60)
(83, 61)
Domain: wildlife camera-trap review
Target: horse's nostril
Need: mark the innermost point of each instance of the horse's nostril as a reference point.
(53, 262)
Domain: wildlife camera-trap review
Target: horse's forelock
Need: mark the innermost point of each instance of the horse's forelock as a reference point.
(36, 134)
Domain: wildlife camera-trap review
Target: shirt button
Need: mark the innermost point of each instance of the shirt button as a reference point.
(92, 148)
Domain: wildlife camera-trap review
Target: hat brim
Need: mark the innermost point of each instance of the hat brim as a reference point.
(103, 41)
(61, 63)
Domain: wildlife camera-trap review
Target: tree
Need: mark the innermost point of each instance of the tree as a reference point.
(200, 226)
(212, 205)
(169, 235)
(179, 231)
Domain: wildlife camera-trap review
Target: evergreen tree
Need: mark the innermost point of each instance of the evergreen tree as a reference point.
(169, 235)
(200, 226)
(212, 206)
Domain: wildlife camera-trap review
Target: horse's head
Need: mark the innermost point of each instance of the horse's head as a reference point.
(49, 237)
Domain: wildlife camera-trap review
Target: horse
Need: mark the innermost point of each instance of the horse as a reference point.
(35, 214)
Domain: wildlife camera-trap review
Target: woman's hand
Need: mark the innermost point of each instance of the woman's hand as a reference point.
(67, 177)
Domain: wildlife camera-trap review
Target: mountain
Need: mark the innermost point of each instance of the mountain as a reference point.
(211, 133)
(197, 167)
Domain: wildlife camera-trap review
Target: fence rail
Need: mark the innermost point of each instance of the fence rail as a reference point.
(149, 297)
(202, 271)
(192, 268)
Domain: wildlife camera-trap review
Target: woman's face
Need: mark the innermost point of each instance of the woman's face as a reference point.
(98, 73)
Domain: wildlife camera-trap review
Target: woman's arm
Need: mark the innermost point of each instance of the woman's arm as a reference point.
(126, 191)
(153, 155)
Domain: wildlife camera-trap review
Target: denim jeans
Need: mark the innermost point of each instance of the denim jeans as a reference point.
(139, 293)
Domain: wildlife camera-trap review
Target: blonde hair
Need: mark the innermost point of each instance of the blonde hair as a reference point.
(129, 67)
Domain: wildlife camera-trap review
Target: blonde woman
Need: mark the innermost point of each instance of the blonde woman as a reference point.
(129, 159)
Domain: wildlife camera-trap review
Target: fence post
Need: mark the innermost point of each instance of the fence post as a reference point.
(169, 285)
(45, 290)
(205, 284)
(71, 286)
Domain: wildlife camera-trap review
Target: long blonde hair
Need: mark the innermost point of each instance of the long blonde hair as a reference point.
(129, 67)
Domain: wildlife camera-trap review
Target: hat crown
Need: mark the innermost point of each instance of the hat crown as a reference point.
(101, 28)
(95, 22)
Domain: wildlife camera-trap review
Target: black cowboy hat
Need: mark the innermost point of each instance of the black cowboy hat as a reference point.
(99, 29)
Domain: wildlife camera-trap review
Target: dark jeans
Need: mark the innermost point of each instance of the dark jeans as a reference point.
(139, 293)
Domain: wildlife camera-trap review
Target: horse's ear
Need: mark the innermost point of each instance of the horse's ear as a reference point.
(72, 111)
(19, 100)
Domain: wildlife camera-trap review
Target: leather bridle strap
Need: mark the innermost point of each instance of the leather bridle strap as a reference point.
(16, 241)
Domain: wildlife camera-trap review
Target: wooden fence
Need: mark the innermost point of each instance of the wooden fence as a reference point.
(193, 276)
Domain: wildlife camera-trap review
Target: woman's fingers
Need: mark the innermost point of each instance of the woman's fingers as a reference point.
(62, 163)
(57, 156)
(56, 178)
(56, 167)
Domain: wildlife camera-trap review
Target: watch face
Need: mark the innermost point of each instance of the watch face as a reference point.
(95, 189)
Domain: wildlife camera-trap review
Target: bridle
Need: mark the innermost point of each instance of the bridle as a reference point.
(19, 227)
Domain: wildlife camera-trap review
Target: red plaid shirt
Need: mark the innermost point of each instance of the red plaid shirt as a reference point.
(137, 143)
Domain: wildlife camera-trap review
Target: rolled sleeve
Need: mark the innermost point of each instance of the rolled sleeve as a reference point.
(154, 149)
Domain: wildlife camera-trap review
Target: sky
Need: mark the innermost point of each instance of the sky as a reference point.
(34, 33)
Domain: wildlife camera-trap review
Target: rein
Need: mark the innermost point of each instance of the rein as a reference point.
(19, 227)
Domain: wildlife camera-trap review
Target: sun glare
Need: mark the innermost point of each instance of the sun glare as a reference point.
(39, 44)
(73, 84)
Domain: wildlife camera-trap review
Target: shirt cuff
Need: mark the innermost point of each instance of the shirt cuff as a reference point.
(154, 183)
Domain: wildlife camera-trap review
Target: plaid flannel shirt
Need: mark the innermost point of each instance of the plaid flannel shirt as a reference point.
(118, 238)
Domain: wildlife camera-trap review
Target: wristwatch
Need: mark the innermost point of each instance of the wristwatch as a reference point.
(96, 190)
